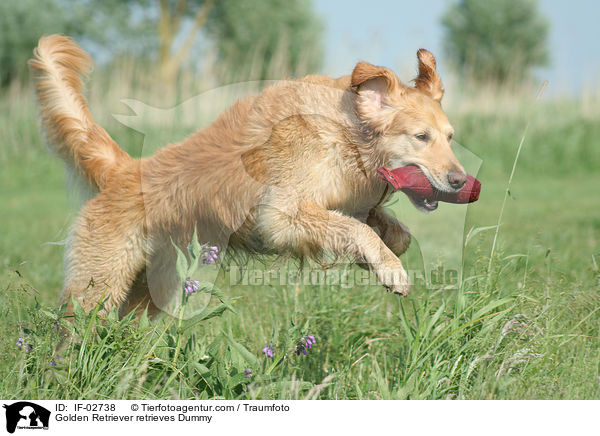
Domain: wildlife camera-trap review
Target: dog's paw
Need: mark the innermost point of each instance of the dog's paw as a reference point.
(400, 290)
(395, 280)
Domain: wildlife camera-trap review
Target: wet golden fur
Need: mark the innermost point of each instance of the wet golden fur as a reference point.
(291, 171)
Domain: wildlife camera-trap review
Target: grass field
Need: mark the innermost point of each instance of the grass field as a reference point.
(528, 328)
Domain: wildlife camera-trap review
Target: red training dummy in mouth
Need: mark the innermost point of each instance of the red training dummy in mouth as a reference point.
(414, 183)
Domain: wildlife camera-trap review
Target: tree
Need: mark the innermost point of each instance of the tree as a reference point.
(21, 24)
(166, 31)
(103, 23)
(267, 38)
(496, 40)
(170, 23)
(283, 32)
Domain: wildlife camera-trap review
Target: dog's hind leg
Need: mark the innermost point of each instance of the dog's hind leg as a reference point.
(139, 298)
(106, 251)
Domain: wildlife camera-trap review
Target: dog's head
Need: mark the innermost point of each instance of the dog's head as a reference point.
(408, 123)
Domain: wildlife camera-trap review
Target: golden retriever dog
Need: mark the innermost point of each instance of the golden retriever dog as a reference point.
(290, 171)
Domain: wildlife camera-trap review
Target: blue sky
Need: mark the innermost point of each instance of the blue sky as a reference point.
(387, 33)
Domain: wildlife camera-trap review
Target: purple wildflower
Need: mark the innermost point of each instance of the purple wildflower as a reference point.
(305, 344)
(57, 323)
(190, 286)
(211, 255)
(268, 350)
(28, 349)
(247, 373)
(20, 343)
(52, 363)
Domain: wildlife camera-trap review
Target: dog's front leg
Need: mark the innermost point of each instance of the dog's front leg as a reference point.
(393, 233)
(305, 226)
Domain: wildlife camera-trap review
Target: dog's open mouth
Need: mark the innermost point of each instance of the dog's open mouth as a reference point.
(423, 203)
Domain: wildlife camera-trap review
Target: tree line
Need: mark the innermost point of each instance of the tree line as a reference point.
(488, 41)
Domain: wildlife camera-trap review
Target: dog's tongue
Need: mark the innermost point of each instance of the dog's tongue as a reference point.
(413, 182)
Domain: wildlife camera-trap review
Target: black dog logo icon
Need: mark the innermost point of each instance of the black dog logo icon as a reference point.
(33, 416)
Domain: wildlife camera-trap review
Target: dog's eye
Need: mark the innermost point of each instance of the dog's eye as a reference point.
(450, 136)
(422, 137)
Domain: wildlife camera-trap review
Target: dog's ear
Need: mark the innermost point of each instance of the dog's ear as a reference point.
(428, 80)
(377, 88)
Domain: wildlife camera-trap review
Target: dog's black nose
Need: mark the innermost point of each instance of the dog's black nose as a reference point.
(457, 179)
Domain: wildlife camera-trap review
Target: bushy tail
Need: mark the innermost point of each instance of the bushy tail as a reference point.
(58, 64)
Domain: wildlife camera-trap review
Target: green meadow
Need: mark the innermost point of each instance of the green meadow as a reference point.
(523, 323)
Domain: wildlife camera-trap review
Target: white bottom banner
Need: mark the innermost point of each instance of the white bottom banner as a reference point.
(299, 417)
